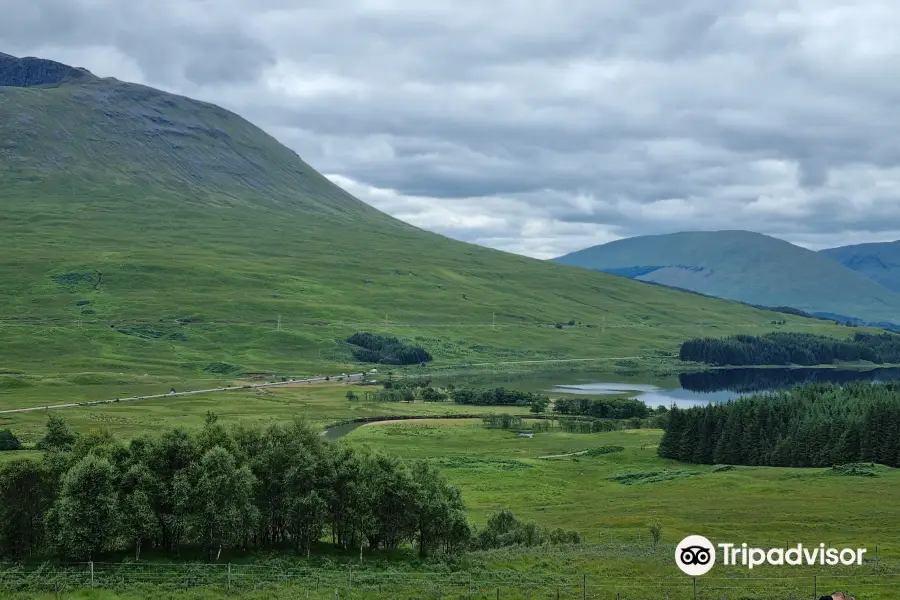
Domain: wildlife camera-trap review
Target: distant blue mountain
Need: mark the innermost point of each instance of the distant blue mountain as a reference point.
(751, 268)
(878, 261)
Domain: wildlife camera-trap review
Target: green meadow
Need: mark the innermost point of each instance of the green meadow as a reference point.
(611, 499)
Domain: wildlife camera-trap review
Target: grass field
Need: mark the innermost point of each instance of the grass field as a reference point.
(574, 493)
(319, 404)
(497, 469)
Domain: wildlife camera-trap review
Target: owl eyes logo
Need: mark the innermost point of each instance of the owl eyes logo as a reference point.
(695, 555)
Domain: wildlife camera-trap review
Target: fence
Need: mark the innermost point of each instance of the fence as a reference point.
(321, 584)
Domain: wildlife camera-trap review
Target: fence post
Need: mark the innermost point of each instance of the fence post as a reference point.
(498, 593)
(350, 576)
(695, 588)
(584, 585)
(229, 577)
(815, 587)
(92, 574)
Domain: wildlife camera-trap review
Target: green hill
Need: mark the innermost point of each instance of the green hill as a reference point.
(745, 266)
(879, 261)
(145, 232)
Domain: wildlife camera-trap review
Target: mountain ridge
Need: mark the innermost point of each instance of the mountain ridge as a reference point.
(879, 261)
(748, 267)
(30, 71)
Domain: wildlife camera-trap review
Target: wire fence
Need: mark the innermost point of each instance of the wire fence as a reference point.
(352, 584)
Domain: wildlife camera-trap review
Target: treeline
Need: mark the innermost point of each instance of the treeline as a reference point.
(372, 348)
(783, 348)
(220, 490)
(421, 389)
(572, 424)
(813, 426)
(500, 397)
(602, 408)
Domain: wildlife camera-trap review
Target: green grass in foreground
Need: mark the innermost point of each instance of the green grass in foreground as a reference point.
(496, 469)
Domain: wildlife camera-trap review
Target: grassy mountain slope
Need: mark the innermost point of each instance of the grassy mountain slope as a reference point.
(879, 261)
(145, 232)
(745, 266)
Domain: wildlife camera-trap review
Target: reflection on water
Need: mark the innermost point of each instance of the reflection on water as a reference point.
(701, 388)
(605, 389)
(755, 380)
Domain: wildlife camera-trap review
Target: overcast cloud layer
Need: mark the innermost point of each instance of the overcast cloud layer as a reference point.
(539, 127)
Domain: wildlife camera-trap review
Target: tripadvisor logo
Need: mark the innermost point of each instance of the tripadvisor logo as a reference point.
(695, 555)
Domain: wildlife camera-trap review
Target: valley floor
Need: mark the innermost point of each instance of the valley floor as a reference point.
(610, 499)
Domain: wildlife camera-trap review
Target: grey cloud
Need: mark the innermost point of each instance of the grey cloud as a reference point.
(545, 124)
(195, 40)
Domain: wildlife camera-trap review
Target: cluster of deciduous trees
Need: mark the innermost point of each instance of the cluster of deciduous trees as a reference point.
(500, 396)
(813, 426)
(218, 489)
(504, 529)
(372, 348)
(782, 348)
(601, 408)
(416, 389)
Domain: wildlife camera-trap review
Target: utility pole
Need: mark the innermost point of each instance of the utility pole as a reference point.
(278, 327)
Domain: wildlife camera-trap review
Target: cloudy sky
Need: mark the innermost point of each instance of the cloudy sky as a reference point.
(539, 126)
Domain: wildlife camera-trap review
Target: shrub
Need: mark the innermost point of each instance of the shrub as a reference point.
(605, 450)
(504, 529)
(221, 368)
(502, 421)
(8, 441)
(850, 470)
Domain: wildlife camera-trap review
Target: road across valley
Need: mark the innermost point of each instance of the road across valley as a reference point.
(350, 377)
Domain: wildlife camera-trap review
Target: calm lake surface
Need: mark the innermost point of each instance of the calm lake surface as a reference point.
(700, 388)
